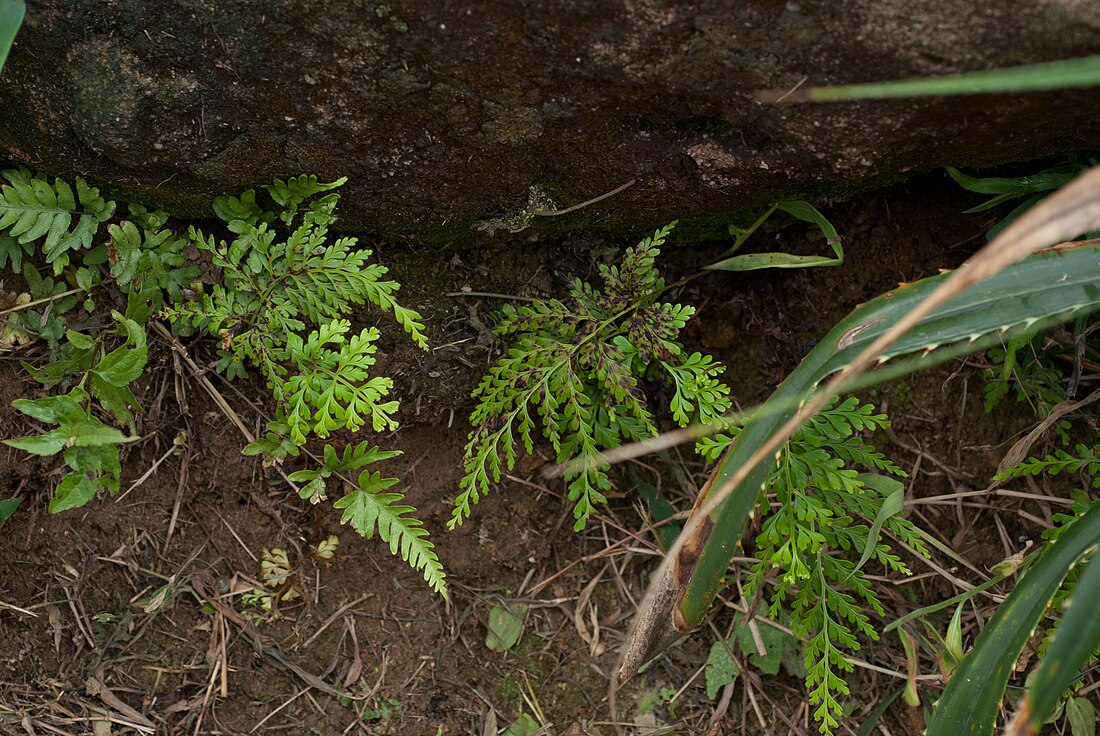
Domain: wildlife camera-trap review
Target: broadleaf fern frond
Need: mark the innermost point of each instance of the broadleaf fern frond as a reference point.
(31, 209)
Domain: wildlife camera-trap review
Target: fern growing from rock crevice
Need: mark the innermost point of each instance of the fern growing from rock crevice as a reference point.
(577, 368)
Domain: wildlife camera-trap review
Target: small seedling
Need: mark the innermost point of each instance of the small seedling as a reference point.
(326, 549)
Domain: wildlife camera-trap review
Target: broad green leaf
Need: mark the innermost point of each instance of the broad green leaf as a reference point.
(11, 17)
(660, 509)
(114, 399)
(1044, 181)
(49, 443)
(123, 365)
(74, 490)
(505, 626)
(304, 476)
(1081, 715)
(780, 649)
(525, 725)
(52, 409)
(313, 491)
(8, 507)
(721, 669)
(93, 433)
(79, 340)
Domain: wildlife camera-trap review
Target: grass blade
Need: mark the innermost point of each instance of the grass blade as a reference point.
(11, 18)
(1083, 72)
(971, 701)
(1076, 639)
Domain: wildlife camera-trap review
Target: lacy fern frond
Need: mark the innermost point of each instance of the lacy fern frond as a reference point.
(271, 287)
(332, 387)
(31, 209)
(282, 275)
(578, 369)
(1086, 459)
(813, 534)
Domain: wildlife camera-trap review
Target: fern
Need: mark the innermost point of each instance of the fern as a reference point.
(272, 292)
(578, 369)
(367, 508)
(815, 540)
(332, 388)
(149, 257)
(272, 289)
(1087, 459)
(31, 209)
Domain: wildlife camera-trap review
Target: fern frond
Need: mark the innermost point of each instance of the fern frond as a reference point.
(291, 193)
(31, 209)
(367, 508)
(148, 258)
(333, 388)
(243, 208)
(579, 366)
(1086, 459)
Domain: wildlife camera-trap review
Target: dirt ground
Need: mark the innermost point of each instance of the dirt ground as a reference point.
(365, 647)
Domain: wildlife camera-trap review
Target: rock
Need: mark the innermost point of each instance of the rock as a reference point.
(446, 112)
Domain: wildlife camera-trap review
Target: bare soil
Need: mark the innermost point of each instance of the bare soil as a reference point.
(81, 652)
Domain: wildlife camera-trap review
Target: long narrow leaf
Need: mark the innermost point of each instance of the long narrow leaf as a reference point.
(755, 261)
(11, 18)
(1084, 72)
(1077, 637)
(971, 701)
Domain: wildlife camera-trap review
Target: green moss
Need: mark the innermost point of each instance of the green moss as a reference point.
(185, 205)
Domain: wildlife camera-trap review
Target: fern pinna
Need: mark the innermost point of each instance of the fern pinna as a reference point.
(577, 367)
